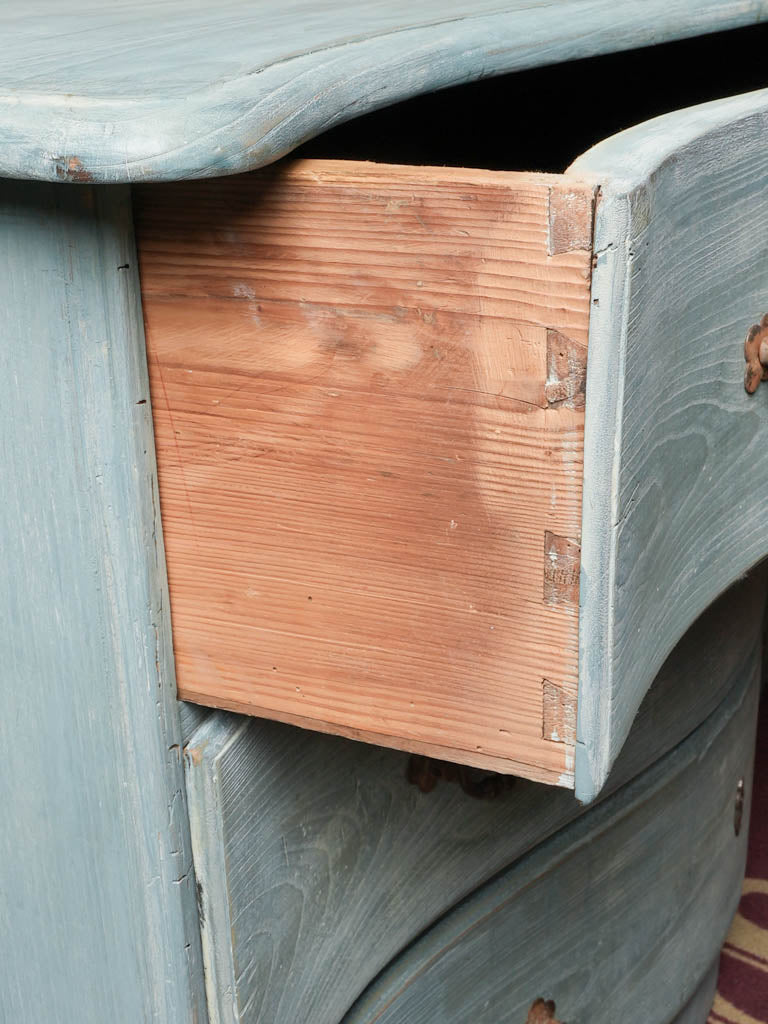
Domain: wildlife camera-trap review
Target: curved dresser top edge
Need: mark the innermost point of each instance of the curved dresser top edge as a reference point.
(223, 99)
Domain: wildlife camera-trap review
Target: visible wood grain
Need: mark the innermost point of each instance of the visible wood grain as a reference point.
(319, 863)
(236, 85)
(191, 717)
(676, 478)
(97, 897)
(616, 918)
(359, 465)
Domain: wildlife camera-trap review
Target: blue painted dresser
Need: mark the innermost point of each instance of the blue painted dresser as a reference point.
(170, 862)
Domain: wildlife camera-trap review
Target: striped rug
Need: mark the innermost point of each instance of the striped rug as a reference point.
(742, 988)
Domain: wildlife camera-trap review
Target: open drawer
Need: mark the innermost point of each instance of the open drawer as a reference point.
(449, 459)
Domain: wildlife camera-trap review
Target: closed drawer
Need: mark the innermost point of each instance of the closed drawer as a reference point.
(382, 515)
(332, 890)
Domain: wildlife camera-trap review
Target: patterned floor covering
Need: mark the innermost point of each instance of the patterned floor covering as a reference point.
(742, 991)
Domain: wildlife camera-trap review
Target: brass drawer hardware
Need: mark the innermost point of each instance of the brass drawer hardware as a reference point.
(542, 1012)
(756, 354)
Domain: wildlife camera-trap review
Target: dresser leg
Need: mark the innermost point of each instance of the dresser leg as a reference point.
(97, 895)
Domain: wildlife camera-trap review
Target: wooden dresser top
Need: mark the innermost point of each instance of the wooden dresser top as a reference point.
(183, 89)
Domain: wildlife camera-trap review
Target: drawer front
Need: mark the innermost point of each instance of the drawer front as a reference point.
(615, 919)
(676, 473)
(368, 391)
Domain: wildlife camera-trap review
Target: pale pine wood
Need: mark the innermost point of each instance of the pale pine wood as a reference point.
(362, 464)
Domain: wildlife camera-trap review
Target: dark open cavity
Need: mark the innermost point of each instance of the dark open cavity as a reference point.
(542, 119)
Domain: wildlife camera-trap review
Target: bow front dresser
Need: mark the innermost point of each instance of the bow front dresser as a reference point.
(385, 497)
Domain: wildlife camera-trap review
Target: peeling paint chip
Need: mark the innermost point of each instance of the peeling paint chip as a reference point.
(566, 371)
(562, 564)
(72, 169)
(559, 718)
(570, 220)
